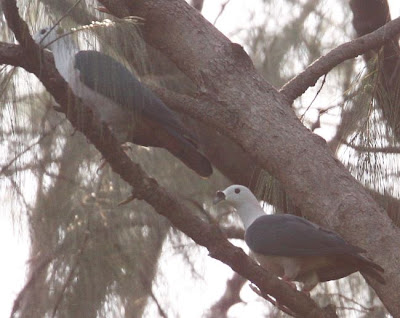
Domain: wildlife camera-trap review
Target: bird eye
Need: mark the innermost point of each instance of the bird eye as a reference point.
(42, 31)
(237, 190)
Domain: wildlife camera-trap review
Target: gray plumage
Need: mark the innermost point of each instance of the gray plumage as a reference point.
(131, 110)
(294, 248)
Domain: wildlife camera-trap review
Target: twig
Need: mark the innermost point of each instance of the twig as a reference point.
(350, 300)
(71, 274)
(160, 310)
(354, 309)
(299, 84)
(60, 19)
(230, 297)
(17, 188)
(222, 9)
(390, 150)
(38, 269)
(5, 168)
(315, 97)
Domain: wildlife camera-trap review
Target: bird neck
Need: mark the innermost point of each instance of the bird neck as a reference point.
(249, 212)
(63, 50)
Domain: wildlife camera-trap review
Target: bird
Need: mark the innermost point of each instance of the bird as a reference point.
(294, 248)
(130, 109)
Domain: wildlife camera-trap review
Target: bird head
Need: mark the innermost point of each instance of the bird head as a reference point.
(47, 36)
(235, 195)
(243, 201)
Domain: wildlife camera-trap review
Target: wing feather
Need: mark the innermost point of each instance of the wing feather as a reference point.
(289, 235)
(110, 78)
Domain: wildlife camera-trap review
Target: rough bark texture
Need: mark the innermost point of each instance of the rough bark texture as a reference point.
(250, 111)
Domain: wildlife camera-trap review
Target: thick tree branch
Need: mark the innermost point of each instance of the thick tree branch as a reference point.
(251, 112)
(147, 189)
(299, 84)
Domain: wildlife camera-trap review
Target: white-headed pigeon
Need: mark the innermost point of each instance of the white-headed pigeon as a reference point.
(132, 111)
(292, 247)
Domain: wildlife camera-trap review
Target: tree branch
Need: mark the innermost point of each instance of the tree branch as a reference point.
(230, 297)
(372, 149)
(300, 83)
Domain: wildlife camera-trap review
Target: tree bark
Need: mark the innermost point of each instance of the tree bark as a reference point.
(251, 112)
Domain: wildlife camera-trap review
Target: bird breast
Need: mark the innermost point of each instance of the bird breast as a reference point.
(294, 268)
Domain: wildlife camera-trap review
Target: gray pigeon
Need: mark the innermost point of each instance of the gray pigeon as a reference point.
(131, 110)
(292, 247)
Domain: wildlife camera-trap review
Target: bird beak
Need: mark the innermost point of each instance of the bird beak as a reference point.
(219, 196)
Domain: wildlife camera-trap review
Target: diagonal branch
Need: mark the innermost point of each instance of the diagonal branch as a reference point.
(299, 84)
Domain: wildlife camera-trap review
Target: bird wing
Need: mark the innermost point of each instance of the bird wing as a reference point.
(148, 121)
(110, 78)
(289, 235)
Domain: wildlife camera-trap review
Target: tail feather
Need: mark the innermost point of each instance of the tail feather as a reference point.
(188, 153)
(192, 158)
(371, 269)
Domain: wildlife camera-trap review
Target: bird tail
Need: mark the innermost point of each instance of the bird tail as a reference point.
(187, 152)
(371, 269)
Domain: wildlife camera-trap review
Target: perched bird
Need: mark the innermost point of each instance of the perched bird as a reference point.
(292, 247)
(132, 111)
